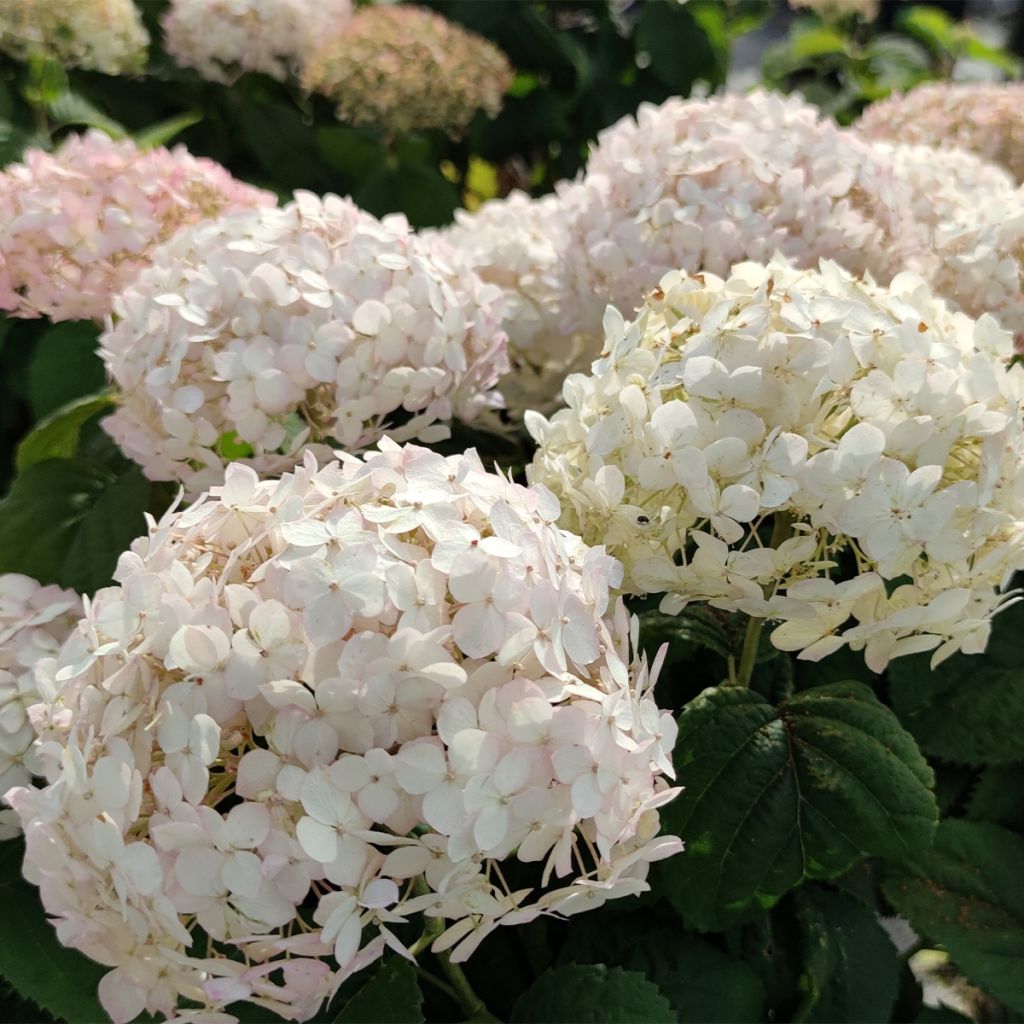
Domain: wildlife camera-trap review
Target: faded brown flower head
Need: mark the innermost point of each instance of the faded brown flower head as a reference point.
(406, 68)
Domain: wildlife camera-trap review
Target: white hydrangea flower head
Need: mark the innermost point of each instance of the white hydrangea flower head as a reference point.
(521, 245)
(982, 117)
(77, 225)
(34, 622)
(267, 330)
(705, 183)
(862, 427)
(221, 39)
(404, 68)
(347, 694)
(98, 35)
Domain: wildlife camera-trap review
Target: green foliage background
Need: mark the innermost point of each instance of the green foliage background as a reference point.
(818, 801)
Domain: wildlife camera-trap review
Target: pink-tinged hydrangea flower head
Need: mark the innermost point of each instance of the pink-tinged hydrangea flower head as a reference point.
(266, 330)
(34, 622)
(99, 35)
(221, 39)
(521, 245)
(408, 69)
(984, 118)
(317, 708)
(703, 184)
(855, 424)
(77, 225)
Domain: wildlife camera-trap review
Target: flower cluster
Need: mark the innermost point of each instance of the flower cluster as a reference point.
(78, 225)
(267, 330)
(876, 430)
(100, 35)
(408, 69)
(34, 622)
(521, 244)
(317, 708)
(703, 184)
(221, 39)
(984, 118)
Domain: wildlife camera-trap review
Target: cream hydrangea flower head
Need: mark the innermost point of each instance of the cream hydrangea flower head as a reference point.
(99, 35)
(405, 69)
(34, 622)
(221, 39)
(77, 225)
(267, 330)
(872, 428)
(521, 245)
(984, 118)
(702, 184)
(316, 708)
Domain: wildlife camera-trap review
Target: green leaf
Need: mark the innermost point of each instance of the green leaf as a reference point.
(71, 108)
(971, 708)
(851, 968)
(66, 521)
(996, 795)
(64, 367)
(592, 994)
(774, 796)
(417, 190)
(934, 27)
(46, 80)
(818, 42)
(162, 132)
(56, 437)
(33, 961)
(391, 996)
(966, 893)
(683, 49)
(701, 982)
(694, 628)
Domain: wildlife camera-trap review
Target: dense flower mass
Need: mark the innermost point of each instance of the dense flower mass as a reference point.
(408, 69)
(221, 39)
(267, 330)
(876, 431)
(984, 118)
(77, 225)
(521, 244)
(34, 622)
(317, 708)
(100, 35)
(702, 184)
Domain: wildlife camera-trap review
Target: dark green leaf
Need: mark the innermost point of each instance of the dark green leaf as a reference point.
(966, 893)
(391, 996)
(694, 628)
(680, 48)
(701, 982)
(71, 108)
(162, 132)
(417, 190)
(971, 708)
(997, 797)
(64, 367)
(56, 437)
(774, 796)
(66, 521)
(592, 994)
(37, 966)
(851, 967)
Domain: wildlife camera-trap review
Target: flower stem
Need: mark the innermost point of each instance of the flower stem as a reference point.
(748, 653)
(472, 1005)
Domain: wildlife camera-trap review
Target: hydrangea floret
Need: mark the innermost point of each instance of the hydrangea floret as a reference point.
(34, 622)
(315, 323)
(221, 39)
(77, 225)
(98, 35)
(521, 244)
(314, 709)
(702, 184)
(406, 69)
(982, 117)
(744, 441)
